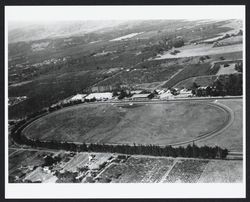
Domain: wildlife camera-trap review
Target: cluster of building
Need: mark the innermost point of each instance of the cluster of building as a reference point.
(133, 95)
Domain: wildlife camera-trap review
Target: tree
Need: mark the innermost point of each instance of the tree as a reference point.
(178, 42)
(194, 88)
(122, 94)
(202, 59)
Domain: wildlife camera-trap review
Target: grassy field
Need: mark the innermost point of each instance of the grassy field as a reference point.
(227, 70)
(232, 137)
(160, 124)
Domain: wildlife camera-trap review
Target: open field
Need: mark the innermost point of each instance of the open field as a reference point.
(222, 172)
(201, 49)
(232, 137)
(227, 70)
(161, 123)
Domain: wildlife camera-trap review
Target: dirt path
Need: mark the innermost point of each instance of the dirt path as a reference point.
(164, 82)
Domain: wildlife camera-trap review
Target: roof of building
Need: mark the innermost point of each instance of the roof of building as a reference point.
(78, 97)
(136, 91)
(166, 94)
(185, 91)
(106, 95)
(140, 95)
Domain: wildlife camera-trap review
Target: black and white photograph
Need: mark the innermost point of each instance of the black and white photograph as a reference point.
(107, 96)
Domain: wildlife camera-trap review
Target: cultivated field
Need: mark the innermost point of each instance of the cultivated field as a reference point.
(222, 172)
(199, 80)
(115, 168)
(138, 170)
(187, 171)
(202, 69)
(160, 124)
(201, 49)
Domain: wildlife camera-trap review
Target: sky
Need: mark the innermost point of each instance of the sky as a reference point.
(69, 13)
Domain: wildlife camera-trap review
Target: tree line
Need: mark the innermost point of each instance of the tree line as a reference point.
(191, 151)
(224, 85)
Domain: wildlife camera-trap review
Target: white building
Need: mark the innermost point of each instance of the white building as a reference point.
(99, 96)
(166, 96)
(136, 91)
(78, 97)
(185, 93)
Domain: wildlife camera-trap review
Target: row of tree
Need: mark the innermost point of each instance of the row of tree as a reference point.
(190, 151)
(224, 85)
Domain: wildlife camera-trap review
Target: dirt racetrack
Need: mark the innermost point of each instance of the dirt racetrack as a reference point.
(172, 123)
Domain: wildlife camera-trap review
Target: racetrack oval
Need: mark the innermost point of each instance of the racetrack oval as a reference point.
(170, 123)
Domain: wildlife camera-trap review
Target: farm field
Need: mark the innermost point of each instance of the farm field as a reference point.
(222, 172)
(201, 49)
(161, 123)
(147, 74)
(138, 170)
(187, 171)
(202, 69)
(232, 137)
(115, 168)
(191, 71)
(199, 80)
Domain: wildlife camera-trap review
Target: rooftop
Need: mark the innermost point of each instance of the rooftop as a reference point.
(140, 95)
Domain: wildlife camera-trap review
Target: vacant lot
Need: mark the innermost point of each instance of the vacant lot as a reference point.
(160, 124)
(232, 137)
